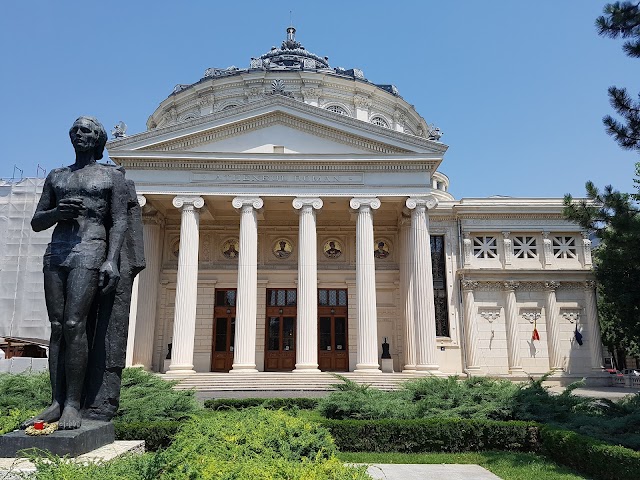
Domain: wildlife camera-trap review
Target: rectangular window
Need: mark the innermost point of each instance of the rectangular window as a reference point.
(485, 247)
(439, 264)
(332, 297)
(282, 297)
(225, 298)
(564, 247)
(525, 247)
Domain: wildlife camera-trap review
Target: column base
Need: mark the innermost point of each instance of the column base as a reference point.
(181, 369)
(367, 368)
(140, 365)
(243, 368)
(409, 369)
(516, 371)
(306, 368)
(474, 372)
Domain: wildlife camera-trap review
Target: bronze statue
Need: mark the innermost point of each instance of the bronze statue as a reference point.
(90, 205)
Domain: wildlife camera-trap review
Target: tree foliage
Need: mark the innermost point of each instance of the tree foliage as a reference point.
(622, 20)
(613, 218)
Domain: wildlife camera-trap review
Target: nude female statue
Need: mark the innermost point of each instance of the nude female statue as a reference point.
(87, 202)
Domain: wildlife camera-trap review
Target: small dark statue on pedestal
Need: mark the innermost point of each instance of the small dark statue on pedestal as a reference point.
(96, 251)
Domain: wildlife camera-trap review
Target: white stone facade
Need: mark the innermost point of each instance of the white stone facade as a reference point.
(286, 228)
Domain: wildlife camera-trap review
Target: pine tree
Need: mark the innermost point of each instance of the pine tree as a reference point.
(622, 20)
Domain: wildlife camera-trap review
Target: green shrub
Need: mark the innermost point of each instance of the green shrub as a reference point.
(145, 397)
(129, 467)
(589, 456)
(268, 403)
(253, 443)
(156, 435)
(432, 435)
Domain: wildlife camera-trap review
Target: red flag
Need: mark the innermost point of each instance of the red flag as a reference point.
(535, 335)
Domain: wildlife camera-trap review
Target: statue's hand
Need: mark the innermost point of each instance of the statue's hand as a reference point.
(69, 208)
(109, 276)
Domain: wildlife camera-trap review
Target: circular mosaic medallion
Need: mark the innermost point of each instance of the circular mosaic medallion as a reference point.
(381, 249)
(332, 249)
(230, 248)
(282, 248)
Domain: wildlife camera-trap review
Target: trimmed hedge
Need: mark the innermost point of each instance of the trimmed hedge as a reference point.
(433, 435)
(589, 456)
(268, 403)
(156, 435)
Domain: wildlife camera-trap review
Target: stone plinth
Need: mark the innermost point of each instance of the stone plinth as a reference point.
(90, 436)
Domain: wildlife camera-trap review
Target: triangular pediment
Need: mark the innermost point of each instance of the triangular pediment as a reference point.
(275, 125)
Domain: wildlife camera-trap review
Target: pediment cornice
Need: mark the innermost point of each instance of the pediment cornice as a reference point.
(277, 108)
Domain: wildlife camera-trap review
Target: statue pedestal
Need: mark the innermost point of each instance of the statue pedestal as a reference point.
(91, 435)
(387, 365)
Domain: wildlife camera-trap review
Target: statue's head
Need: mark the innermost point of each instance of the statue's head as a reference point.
(87, 133)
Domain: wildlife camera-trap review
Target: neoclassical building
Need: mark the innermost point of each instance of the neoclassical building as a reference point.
(295, 218)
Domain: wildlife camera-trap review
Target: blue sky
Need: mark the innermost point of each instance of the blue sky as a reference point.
(518, 88)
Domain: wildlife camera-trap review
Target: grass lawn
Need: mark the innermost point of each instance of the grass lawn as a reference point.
(506, 465)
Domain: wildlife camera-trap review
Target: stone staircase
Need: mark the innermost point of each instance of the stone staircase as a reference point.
(283, 381)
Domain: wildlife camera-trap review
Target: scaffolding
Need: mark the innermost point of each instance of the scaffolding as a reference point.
(23, 312)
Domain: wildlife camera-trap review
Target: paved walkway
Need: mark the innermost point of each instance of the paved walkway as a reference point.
(389, 471)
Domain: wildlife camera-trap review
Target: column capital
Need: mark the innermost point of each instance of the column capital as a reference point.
(182, 201)
(428, 202)
(254, 202)
(510, 286)
(313, 202)
(551, 286)
(142, 200)
(358, 202)
(469, 284)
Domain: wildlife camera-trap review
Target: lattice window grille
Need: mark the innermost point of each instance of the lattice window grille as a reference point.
(525, 247)
(485, 247)
(337, 109)
(381, 122)
(565, 247)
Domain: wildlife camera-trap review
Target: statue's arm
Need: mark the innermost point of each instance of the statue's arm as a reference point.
(46, 214)
(119, 199)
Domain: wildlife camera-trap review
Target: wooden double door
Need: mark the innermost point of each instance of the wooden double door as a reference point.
(224, 330)
(280, 348)
(332, 339)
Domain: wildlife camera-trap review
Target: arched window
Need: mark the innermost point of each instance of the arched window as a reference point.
(229, 107)
(337, 109)
(380, 122)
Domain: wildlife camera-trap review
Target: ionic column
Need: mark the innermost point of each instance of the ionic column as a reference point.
(307, 327)
(470, 331)
(133, 312)
(244, 354)
(553, 327)
(595, 341)
(184, 321)
(149, 278)
(513, 340)
(367, 356)
(406, 292)
(424, 310)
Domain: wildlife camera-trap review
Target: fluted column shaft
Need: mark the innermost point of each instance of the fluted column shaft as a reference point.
(367, 356)
(595, 340)
(553, 328)
(244, 354)
(470, 330)
(149, 280)
(133, 313)
(424, 311)
(513, 339)
(307, 325)
(184, 321)
(406, 291)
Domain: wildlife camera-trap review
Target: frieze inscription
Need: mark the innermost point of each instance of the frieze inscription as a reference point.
(302, 178)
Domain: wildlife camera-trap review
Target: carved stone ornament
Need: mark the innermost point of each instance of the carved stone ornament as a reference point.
(572, 316)
(590, 284)
(510, 285)
(300, 202)
(241, 202)
(469, 284)
(188, 201)
(357, 202)
(551, 285)
(428, 201)
(490, 314)
(531, 315)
